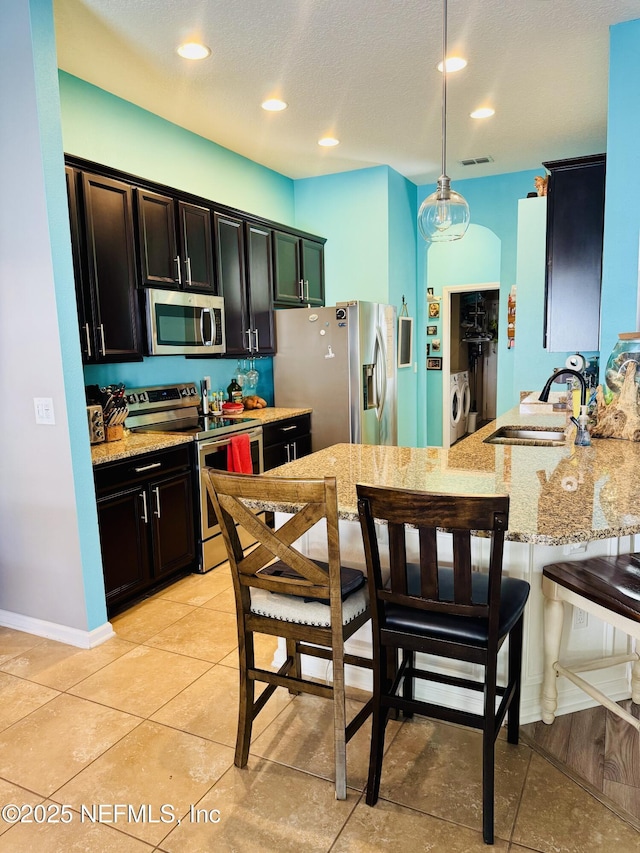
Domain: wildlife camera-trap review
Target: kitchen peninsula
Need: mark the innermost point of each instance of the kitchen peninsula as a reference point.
(567, 502)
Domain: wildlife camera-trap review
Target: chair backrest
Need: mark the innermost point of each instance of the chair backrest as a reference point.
(308, 500)
(428, 512)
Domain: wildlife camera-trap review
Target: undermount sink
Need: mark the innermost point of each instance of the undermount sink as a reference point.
(527, 436)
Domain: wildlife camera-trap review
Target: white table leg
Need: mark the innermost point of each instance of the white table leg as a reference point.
(553, 622)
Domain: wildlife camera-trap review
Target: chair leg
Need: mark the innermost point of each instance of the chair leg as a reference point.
(553, 621)
(635, 682)
(515, 677)
(296, 669)
(339, 724)
(381, 684)
(409, 660)
(488, 750)
(246, 702)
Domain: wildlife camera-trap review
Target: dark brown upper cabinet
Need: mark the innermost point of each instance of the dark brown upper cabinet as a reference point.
(298, 271)
(575, 224)
(101, 217)
(175, 243)
(245, 274)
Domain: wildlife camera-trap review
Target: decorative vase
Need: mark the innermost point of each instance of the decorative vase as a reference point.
(627, 350)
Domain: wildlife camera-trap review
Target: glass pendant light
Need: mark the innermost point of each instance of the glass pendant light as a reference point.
(444, 215)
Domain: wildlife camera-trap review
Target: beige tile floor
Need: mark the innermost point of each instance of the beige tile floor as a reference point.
(128, 748)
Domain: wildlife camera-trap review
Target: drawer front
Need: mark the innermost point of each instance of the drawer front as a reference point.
(138, 469)
(287, 430)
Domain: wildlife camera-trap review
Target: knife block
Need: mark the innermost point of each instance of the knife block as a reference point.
(114, 433)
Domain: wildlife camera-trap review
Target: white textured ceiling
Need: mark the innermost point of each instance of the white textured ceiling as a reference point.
(361, 70)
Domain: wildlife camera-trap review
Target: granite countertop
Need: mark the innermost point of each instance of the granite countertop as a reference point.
(134, 444)
(558, 494)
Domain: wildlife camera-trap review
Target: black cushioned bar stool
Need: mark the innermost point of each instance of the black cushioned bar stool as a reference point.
(608, 587)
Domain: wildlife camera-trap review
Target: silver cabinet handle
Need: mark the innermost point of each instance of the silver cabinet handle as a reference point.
(87, 335)
(295, 451)
(188, 263)
(177, 260)
(248, 333)
(288, 429)
(301, 285)
(255, 332)
(148, 467)
(101, 327)
(306, 284)
(156, 492)
(145, 517)
(288, 449)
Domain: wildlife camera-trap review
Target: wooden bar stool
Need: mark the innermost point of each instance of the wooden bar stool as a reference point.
(608, 587)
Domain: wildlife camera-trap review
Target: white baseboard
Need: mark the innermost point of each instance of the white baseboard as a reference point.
(53, 631)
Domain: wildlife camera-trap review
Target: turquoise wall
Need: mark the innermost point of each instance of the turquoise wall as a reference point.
(101, 127)
(622, 200)
(350, 209)
(493, 202)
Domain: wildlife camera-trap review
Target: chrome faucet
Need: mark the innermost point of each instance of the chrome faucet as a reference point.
(544, 394)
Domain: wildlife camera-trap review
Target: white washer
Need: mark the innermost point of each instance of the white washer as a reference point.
(465, 402)
(455, 408)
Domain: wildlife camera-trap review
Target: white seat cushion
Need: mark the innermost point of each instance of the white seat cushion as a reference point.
(291, 608)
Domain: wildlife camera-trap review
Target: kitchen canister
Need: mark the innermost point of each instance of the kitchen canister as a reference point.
(627, 350)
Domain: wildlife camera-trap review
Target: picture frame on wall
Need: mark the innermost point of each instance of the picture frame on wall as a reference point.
(432, 330)
(434, 310)
(434, 364)
(435, 345)
(405, 341)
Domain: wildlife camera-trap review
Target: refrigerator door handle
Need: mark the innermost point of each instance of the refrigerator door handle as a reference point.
(381, 373)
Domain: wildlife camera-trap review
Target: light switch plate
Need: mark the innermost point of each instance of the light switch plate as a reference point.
(44, 410)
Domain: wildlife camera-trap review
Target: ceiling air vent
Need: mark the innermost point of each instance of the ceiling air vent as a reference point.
(476, 161)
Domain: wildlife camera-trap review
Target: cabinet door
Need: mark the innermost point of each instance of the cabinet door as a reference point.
(111, 267)
(229, 234)
(197, 247)
(157, 244)
(260, 288)
(124, 542)
(287, 277)
(312, 272)
(171, 513)
(575, 223)
(83, 294)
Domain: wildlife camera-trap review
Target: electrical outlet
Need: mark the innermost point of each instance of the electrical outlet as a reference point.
(580, 618)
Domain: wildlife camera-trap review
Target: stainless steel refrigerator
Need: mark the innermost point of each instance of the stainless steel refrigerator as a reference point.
(341, 362)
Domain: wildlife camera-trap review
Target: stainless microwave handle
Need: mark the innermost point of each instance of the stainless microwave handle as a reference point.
(87, 335)
(188, 263)
(177, 260)
(248, 333)
(209, 311)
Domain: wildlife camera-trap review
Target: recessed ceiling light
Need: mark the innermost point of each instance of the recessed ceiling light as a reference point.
(274, 105)
(483, 112)
(328, 142)
(194, 50)
(454, 63)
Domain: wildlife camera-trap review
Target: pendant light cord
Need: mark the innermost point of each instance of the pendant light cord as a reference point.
(444, 88)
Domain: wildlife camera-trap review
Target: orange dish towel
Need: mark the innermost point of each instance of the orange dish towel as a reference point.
(239, 455)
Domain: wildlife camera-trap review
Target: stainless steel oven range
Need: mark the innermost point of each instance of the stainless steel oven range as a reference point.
(176, 409)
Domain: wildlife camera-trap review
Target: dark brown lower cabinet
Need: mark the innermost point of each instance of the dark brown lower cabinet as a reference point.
(286, 440)
(147, 523)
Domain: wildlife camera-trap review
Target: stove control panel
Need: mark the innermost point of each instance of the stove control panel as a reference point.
(158, 398)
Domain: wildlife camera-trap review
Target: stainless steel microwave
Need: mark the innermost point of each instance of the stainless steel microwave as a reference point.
(180, 323)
